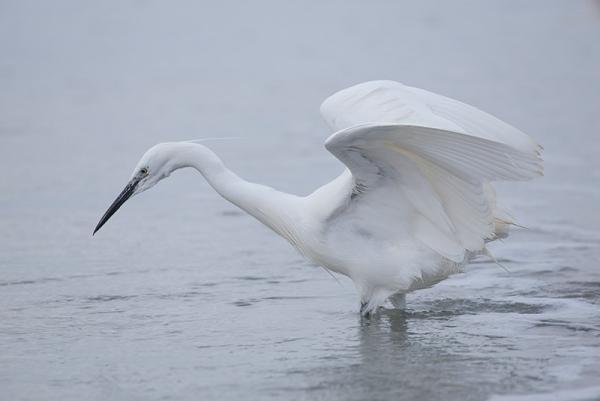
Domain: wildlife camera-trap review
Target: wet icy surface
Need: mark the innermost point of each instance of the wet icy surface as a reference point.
(180, 296)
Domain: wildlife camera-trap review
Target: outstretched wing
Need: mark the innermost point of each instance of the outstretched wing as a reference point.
(438, 152)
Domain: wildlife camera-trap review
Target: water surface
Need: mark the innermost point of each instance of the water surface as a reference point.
(182, 297)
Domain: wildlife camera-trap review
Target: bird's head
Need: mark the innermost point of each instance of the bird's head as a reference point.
(157, 163)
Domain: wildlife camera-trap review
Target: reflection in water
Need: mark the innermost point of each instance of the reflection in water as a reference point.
(397, 355)
(441, 347)
(388, 326)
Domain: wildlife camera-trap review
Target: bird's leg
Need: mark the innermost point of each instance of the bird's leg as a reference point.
(363, 310)
(399, 300)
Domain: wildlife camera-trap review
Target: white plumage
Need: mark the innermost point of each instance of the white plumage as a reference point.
(414, 204)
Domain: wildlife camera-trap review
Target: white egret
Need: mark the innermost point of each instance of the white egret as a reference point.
(413, 204)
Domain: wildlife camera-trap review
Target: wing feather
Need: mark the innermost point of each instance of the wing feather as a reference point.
(439, 152)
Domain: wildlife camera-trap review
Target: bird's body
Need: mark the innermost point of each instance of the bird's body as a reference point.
(412, 206)
(357, 240)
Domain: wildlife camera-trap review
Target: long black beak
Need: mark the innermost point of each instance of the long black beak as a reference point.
(122, 198)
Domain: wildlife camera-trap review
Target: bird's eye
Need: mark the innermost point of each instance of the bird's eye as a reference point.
(144, 171)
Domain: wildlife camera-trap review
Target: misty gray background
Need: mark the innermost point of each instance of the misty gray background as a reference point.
(180, 296)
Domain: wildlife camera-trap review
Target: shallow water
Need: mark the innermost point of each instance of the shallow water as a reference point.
(180, 296)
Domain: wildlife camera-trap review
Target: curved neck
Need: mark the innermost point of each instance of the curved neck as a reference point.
(273, 208)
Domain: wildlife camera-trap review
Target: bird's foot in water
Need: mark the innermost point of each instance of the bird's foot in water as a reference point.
(367, 308)
(364, 312)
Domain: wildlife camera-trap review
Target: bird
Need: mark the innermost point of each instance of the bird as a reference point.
(413, 204)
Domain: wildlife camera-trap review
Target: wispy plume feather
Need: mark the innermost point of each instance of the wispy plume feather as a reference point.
(200, 140)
